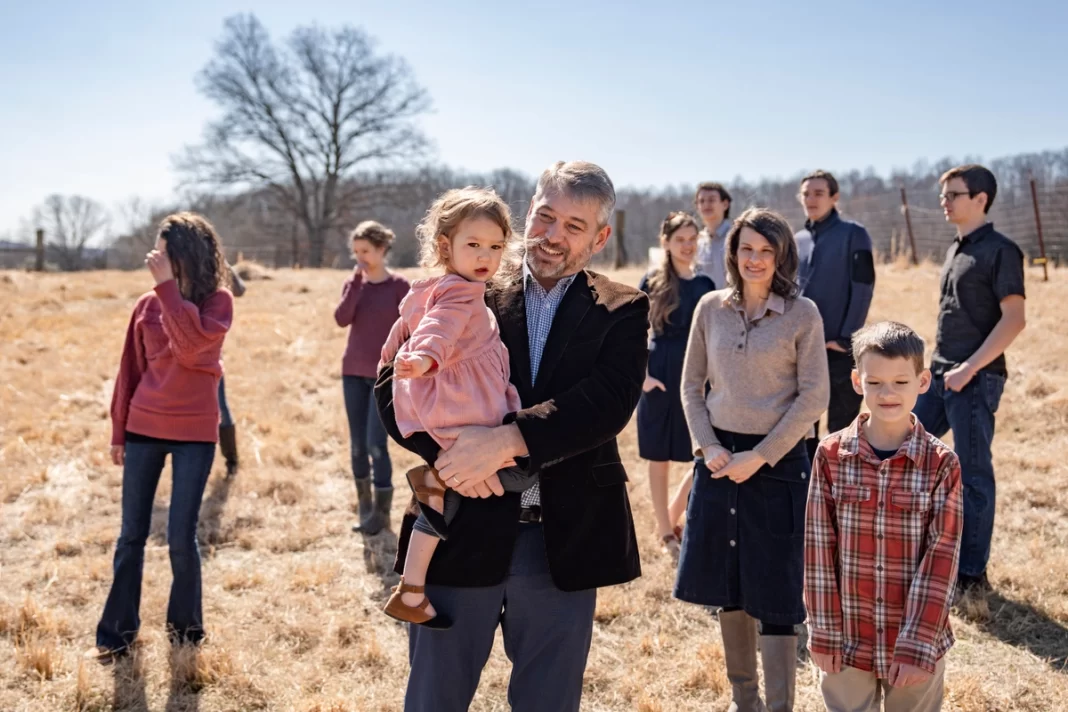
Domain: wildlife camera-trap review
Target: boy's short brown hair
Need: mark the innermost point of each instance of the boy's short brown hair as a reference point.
(889, 339)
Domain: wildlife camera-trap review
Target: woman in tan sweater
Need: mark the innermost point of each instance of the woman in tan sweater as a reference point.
(759, 347)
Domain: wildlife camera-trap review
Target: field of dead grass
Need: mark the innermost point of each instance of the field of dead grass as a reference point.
(291, 596)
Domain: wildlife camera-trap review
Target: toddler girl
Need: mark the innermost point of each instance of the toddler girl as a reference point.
(450, 368)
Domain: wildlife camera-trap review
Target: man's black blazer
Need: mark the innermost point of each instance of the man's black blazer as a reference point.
(589, 382)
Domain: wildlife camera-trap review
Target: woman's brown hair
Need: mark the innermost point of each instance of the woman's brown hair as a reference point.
(664, 281)
(774, 228)
(196, 255)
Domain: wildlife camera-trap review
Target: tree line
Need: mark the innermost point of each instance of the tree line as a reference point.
(319, 130)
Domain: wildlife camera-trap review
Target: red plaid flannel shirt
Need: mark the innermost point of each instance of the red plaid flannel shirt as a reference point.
(882, 544)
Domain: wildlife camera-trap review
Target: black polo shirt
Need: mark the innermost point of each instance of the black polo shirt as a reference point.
(981, 269)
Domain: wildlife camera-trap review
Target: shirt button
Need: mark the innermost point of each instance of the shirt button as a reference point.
(879, 631)
(882, 503)
(879, 599)
(732, 510)
(733, 543)
(879, 567)
(879, 536)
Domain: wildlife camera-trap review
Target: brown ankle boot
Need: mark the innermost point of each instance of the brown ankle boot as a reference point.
(739, 632)
(396, 608)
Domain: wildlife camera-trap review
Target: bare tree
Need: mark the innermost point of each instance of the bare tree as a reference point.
(70, 222)
(300, 119)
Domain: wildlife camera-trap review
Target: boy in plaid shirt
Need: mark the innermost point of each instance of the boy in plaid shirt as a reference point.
(882, 539)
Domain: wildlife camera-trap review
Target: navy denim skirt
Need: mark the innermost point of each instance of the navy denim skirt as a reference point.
(743, 546)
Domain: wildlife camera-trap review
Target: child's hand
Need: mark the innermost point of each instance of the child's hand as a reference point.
(830, 664)
(902, 675)
(411, 366)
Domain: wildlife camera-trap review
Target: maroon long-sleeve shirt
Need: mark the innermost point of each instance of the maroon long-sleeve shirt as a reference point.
(370, 308)
(170, 368)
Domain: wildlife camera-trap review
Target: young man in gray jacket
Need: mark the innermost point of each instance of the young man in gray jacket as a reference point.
(838, 274)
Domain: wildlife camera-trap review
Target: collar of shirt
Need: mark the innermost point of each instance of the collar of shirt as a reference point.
(720, 233)
(977, 234)
(558, 290)
(855, 443)
(819, 227)
(774, 303)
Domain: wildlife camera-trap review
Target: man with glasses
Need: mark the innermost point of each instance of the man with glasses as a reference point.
(980, 313)
(838, 274)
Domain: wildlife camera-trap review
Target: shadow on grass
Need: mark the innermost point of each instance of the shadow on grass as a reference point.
(1022, 626)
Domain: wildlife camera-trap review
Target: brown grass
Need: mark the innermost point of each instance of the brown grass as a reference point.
(291, 596)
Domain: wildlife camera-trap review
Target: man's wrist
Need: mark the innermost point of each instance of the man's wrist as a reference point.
(512, 440)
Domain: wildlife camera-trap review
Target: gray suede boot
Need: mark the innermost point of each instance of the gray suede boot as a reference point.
(779, 654)
(364, 505)
(740, 651)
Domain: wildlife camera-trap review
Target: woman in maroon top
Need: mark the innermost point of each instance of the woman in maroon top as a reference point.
(165, 403)
(370, 303)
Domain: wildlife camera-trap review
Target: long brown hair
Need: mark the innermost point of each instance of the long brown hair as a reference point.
(664, 281)
(196, 255)
(774, 228)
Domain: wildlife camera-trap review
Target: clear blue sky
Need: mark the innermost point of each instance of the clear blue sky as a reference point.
(97, 97)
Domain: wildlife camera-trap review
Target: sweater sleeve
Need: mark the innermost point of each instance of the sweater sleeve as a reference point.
(813, 387)
(694, 376)
(448, 312)
(131, 367)
(192, 330)
(861, 284)
(351, 293)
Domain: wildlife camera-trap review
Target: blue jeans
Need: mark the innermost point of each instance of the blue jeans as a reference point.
(190, 466)
(366, 433)
(970, 415)
(225, 419)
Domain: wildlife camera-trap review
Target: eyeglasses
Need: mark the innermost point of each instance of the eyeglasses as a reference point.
(950, 195)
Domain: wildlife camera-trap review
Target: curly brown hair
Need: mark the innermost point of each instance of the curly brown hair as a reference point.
(664, 281)
(452, 208)
(196, 255)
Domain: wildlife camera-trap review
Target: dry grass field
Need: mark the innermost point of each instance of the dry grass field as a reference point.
(292, 597)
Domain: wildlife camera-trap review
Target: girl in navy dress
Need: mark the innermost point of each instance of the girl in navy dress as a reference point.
(663, 437)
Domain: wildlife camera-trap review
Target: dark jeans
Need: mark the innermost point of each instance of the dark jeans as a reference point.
(547, 634)
(970, 415)
(190, 466)
(225, 419)
(367, 436)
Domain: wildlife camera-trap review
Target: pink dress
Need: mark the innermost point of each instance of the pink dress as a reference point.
(448, 320)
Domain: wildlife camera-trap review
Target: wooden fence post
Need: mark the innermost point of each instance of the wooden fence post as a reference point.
(621, 246)
(40, 263)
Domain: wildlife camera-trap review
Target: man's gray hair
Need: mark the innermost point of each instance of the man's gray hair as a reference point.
(582, 181)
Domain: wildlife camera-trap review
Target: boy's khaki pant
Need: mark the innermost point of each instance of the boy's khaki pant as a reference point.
(855, 690)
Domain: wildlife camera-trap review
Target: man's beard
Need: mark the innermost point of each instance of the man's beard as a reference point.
(570, 264)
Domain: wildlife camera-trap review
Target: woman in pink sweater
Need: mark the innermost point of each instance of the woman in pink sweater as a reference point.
(450, 369)
(165, 403)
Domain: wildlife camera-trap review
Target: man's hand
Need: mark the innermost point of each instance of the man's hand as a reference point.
(902, 675)
(651, 383)
(741, 467)
(477, 454)
(958, 377)
(488, 488)
(411, 366)
(835, 346)
(830, 664)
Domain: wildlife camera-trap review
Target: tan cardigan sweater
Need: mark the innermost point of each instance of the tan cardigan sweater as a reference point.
(767, 377)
